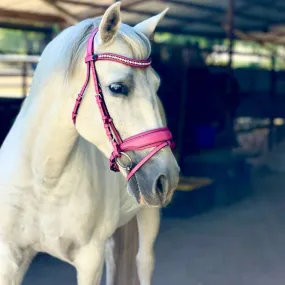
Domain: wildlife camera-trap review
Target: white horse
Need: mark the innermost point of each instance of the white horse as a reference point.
(57, 194)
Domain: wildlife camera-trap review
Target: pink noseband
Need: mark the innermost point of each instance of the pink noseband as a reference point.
(156, 138)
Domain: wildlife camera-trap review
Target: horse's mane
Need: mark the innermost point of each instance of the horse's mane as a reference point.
(61, 55)
(78, 35)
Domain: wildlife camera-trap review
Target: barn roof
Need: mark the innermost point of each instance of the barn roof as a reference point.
(262, 20)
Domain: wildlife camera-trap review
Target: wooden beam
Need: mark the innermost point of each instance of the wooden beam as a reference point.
(25, 27)
(69, 17)
(195, 5)
(278, 29)
(218, 10)
(28, 16)
(125, 4)
(207, 21)
(184, 20)
(246, 6)
(244, 36)
(180, 31)
(270, 38)
(269, 5)
(131, 3)
(261, 38)
(133, 11)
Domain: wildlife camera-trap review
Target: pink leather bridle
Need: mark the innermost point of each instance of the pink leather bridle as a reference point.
(156, 138)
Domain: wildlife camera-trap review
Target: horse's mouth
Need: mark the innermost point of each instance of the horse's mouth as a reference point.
(144, 197)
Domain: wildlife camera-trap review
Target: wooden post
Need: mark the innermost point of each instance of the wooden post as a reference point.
(230, 35)
(126, 248)
(24, 80)
(230, 32)
(272, 94)
(183, 110)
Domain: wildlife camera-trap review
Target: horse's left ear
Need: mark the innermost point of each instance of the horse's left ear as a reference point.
(148, 26)
(110, 24)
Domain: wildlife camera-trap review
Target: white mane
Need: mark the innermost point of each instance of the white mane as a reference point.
(75, 41)
(70, 45)
(78, 35)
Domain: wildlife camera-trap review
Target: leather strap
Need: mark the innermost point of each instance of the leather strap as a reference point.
(156, 138)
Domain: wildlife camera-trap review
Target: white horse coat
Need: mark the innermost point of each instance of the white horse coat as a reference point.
(57, 194)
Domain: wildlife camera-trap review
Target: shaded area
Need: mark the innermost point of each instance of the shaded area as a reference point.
(9, 109)
(239, 244)
(50, 271)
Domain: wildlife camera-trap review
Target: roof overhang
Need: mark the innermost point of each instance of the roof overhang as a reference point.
(259, 20)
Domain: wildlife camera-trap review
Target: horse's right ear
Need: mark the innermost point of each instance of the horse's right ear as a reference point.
(148, 26)
(110, 24)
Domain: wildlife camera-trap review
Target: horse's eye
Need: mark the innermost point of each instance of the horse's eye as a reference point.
(119, 89)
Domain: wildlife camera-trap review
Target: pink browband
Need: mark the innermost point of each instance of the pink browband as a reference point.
(156, 138)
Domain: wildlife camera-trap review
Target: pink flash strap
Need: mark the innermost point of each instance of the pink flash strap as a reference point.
(156, 138)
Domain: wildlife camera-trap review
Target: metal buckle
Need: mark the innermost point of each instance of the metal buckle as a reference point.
(112, 140)
(129, 166)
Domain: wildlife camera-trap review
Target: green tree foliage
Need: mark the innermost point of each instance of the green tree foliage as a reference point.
(20, 42)
(246, 54)
(214, 50)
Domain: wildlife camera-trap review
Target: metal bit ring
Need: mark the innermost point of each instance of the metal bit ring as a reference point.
(126, 167)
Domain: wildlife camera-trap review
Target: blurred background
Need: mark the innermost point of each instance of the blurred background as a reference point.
(222, 74)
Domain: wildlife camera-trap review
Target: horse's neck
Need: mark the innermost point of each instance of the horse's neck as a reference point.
(42, 138)
(56, 140)
(55, 160)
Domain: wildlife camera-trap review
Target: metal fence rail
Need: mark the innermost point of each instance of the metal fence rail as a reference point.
(16, 72)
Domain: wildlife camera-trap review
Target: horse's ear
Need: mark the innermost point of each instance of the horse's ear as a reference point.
(110, 23)
(148, 26)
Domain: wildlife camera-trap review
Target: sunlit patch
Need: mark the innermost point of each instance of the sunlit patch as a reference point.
(278, 122)
(142, 200)
(171, 193)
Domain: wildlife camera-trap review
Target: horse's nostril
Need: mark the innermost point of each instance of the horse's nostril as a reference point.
(161, 185)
